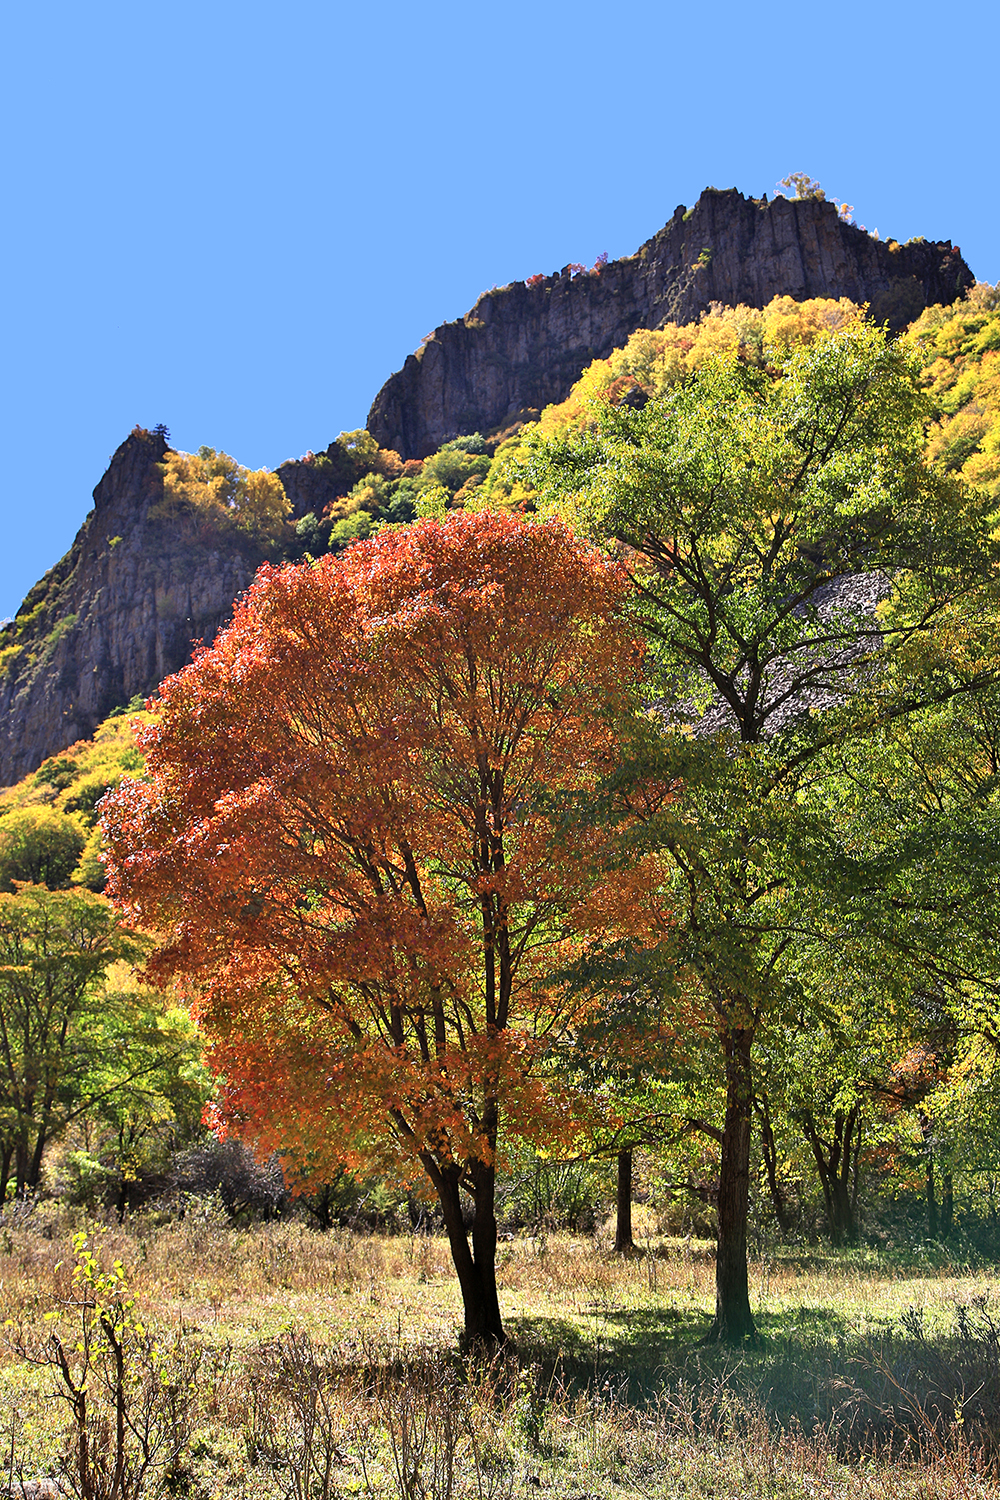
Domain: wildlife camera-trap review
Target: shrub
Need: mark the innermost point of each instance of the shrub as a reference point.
(353, 528)
(452, 465)
(40, 846)
(247, 1188)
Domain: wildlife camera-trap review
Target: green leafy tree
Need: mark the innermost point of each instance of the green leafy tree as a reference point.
(820, 1081)
(39, 846)
(923, 806)
(455, 463)
(801, 572)
(55, 947)
(142, 1088)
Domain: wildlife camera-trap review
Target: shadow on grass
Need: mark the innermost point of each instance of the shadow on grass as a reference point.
(809, 1367)
(903, 1387)
(634, 1349)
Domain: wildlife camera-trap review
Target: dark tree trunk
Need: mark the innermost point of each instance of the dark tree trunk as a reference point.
(484, 1249)
(475, 1264)
(940, 1217)
(624, 1244)
(21, 1160)
(734, 1322)
(947, 1204)
(837, 1164)
(6, 1155)
(35, 1163)
(770, 1153)
(319, 1207)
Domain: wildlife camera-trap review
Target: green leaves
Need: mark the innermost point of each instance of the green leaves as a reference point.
(818, 601)
(769, 514)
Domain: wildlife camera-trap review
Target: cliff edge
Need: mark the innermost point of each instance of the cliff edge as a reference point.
(522, 346)
(121, 611)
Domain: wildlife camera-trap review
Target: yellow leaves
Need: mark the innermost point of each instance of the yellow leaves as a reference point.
(217, 488)
(959, 349)
(787, 324)
(262, 506)
(654, 359)
(208, 481)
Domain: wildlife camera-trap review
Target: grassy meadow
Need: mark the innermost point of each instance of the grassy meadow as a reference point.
(280, 1362)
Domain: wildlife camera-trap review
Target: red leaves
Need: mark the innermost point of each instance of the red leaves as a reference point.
(341, 840)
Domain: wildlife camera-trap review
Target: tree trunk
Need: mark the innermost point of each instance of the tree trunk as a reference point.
(35, 1163)
(933, 1216)
(21, 1160)
(837, 1165)
(624, 1244)
(770, 1151)
(475, 1264)
(734, 1322)
(947, 1204)
(484, 1249)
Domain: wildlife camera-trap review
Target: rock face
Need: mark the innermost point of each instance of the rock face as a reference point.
(115, 616)
(523, 346)
(143, 582)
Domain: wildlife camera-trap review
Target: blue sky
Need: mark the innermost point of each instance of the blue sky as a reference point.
(238, 219)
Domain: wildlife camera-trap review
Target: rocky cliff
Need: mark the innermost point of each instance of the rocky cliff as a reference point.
(143, 581)
(522, 346)
(116, 615)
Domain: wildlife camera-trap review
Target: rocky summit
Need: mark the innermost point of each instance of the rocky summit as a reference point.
(523, 345)
(122, 610)
(146, 580)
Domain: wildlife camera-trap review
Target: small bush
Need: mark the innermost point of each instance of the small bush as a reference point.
(40, 846)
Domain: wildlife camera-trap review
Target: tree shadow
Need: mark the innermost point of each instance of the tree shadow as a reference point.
(642, 1352)
(632, 1349)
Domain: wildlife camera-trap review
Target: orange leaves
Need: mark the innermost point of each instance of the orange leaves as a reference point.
(341, 834)
(634, 900)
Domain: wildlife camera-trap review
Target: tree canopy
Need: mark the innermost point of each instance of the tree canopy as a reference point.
(216, 487)
(344, 841)
(55, 947)
(805, 580)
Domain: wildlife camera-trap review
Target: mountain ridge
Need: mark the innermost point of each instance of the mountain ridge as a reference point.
(123, 609)
(522, 346)
(144, 583)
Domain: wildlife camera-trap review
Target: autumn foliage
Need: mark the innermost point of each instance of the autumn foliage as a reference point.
(346, 837)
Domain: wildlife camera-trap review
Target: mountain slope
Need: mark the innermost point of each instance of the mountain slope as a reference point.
(150, 573)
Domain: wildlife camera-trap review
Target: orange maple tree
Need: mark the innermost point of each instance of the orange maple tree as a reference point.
(343, 840)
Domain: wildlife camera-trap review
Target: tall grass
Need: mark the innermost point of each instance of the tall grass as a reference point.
(278, 1362)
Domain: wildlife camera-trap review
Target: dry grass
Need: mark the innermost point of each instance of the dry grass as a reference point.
(293, 1364)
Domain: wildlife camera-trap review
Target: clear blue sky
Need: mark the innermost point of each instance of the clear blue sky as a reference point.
(239, 218)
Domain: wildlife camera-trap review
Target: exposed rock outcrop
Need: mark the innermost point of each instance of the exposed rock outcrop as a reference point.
(523, 346)
(144, 581)
(116, 615)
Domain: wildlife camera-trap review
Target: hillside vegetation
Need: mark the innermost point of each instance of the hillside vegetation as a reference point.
(958, 348)
(923, 1085)
(48, 821)
(355, 487)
